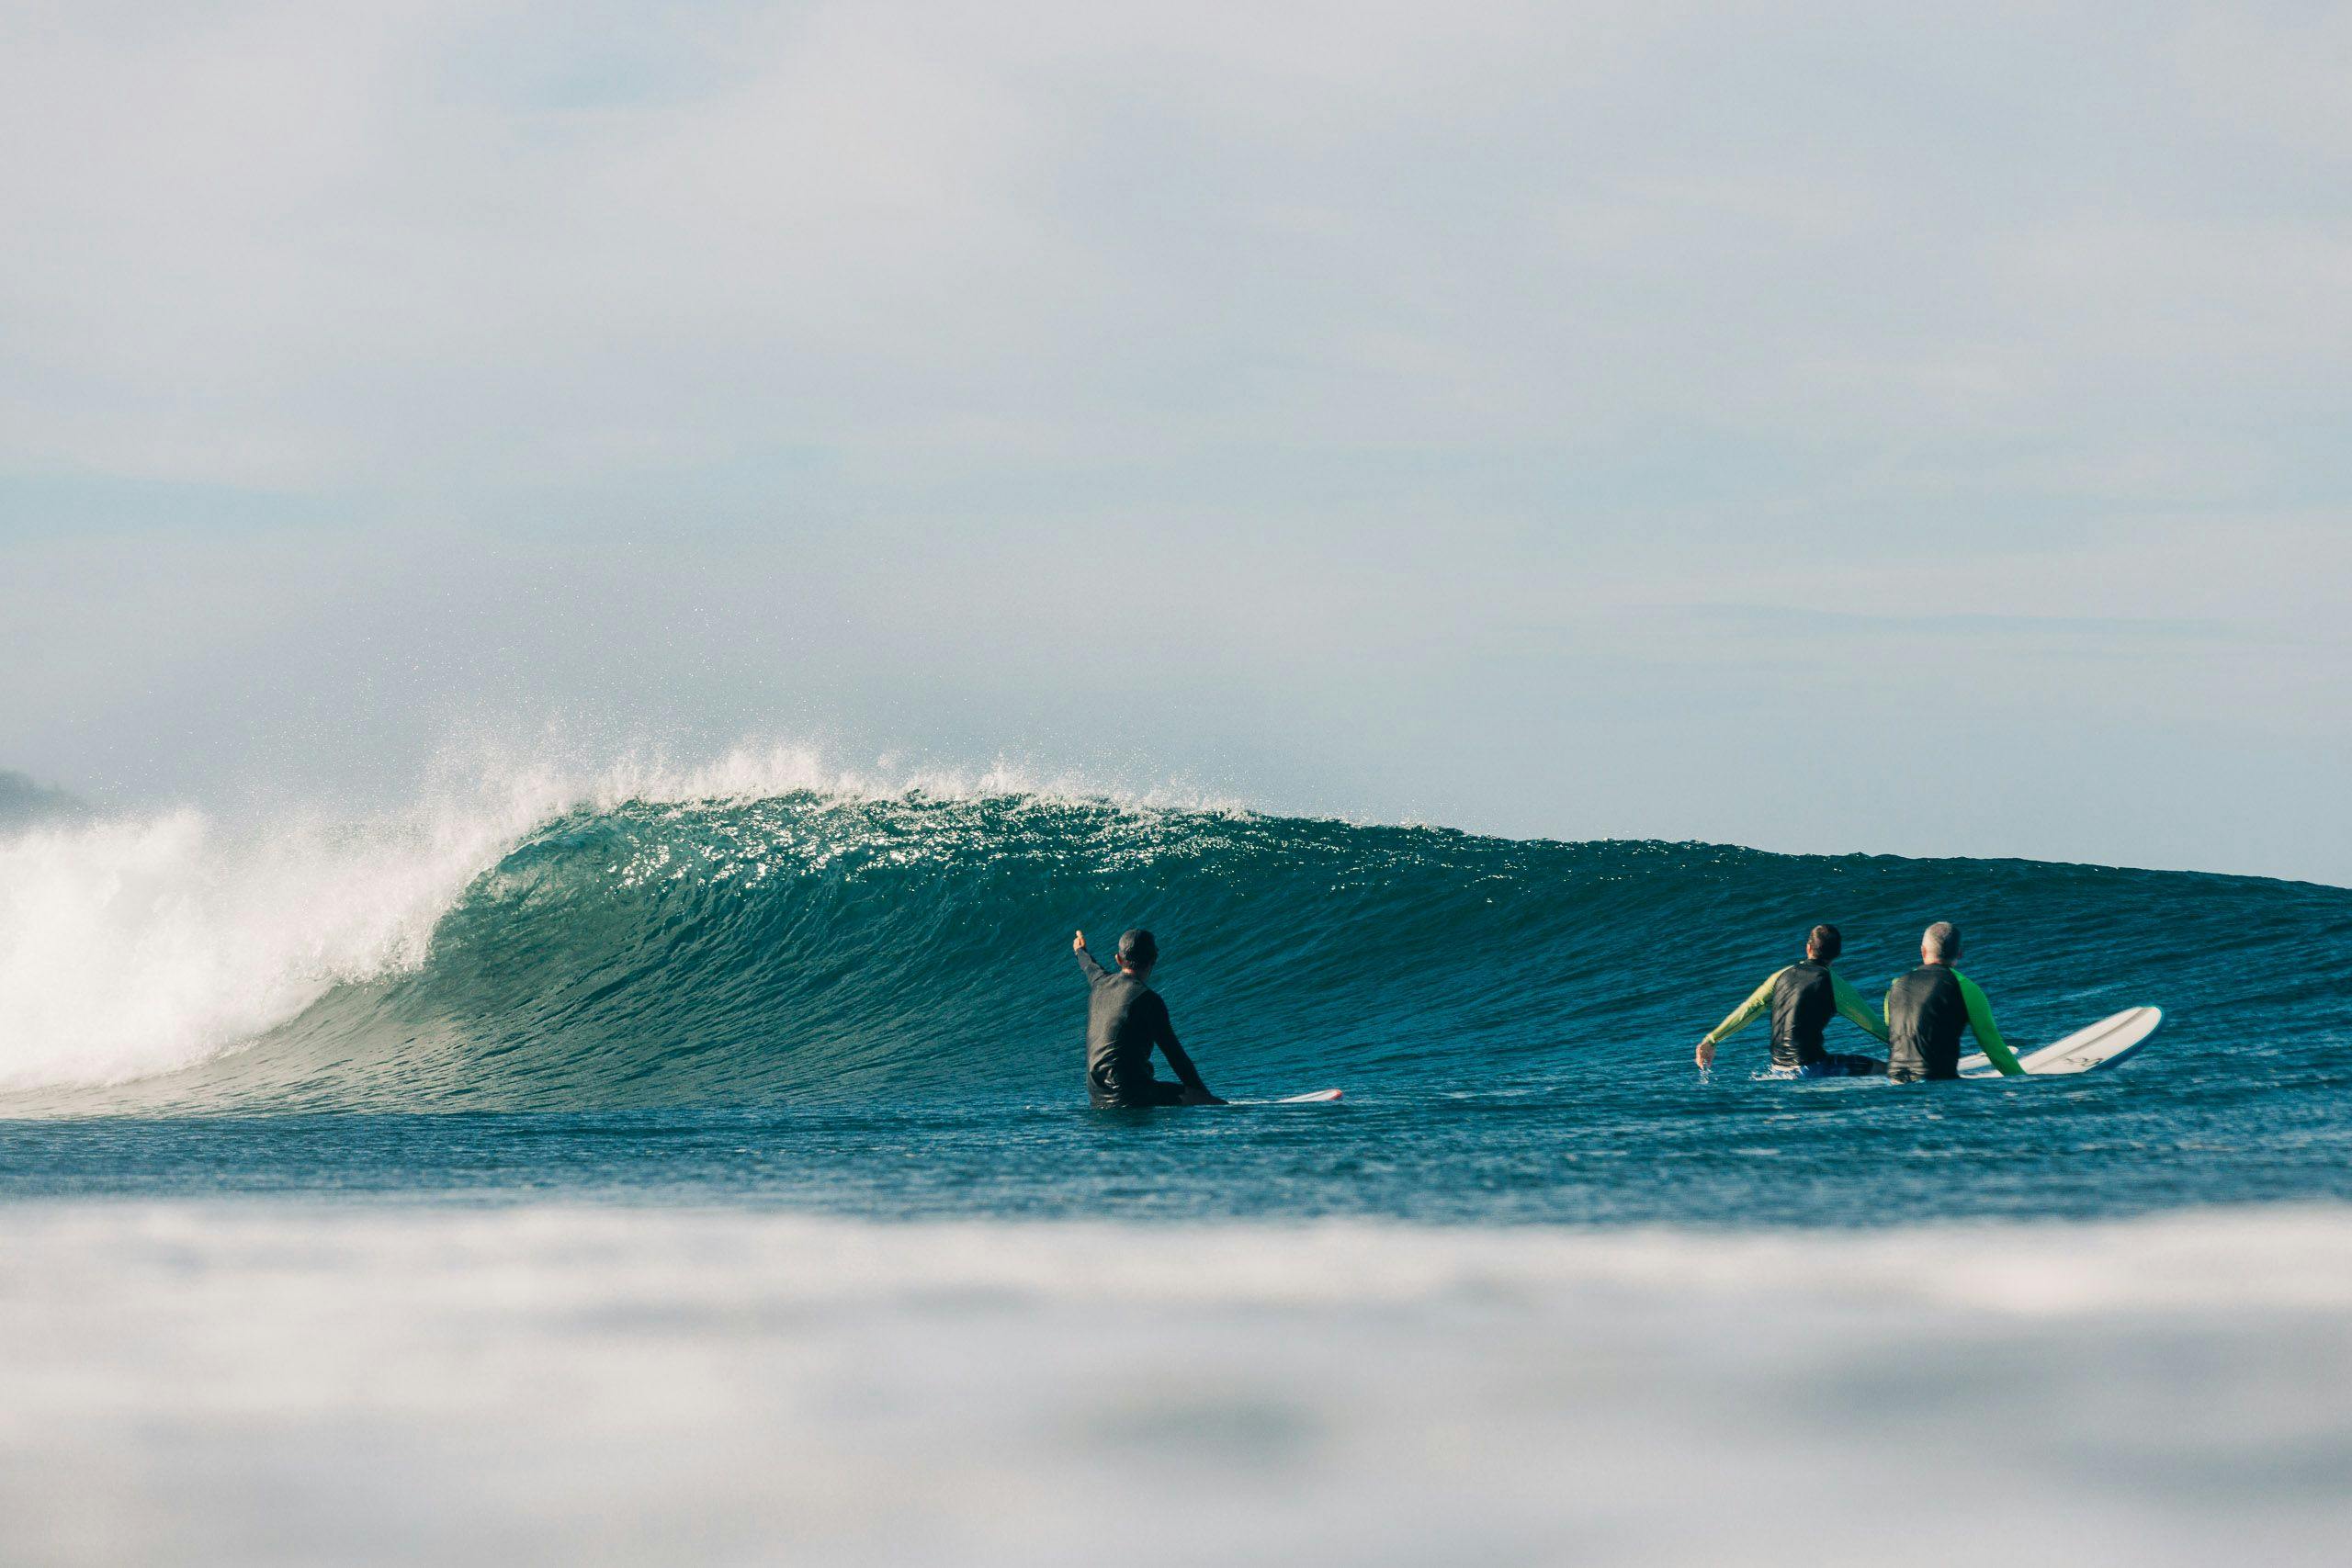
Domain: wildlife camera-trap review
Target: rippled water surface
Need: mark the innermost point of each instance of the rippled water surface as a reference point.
(712, 1180)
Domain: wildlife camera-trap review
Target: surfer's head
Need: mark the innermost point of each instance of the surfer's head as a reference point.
(1823, 943)
(1941, 944)
(1138, 950)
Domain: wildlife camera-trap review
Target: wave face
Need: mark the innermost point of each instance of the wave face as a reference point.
(828, 944)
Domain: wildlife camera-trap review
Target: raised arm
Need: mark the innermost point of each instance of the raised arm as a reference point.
(1988, 1034)
(1179, 1061)
(1086, 960)
(1743, 1015)
(1851, 1008)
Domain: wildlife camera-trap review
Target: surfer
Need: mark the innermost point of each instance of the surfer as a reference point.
(1801, 1000)
(1124, 1018)
(1927, 1008)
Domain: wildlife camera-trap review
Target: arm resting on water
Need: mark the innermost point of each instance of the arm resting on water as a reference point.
(1988, 1034)
(1741, 1017)
(1179, 1063)
(1850, 1008)
(1745, 1013)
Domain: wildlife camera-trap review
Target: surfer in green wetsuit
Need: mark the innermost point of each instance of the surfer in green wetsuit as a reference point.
(1926, 1010)
(1802, 998)
(1124, 1018)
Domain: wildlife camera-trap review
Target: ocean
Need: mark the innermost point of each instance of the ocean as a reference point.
(697, 1166)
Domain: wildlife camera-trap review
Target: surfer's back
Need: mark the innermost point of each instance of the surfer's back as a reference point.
(1124, 1018)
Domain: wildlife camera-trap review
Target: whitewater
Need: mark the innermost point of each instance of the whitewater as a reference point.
(659, 1161)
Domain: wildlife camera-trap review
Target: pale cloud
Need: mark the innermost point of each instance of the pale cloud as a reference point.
(2281, 73)
(859, 359)
(451, 246)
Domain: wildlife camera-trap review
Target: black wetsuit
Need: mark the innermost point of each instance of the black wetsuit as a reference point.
(1926, 1012)
(1124, 1018)
(1805, 998)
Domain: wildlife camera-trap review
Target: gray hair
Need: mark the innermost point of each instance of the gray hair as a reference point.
(1941, 942)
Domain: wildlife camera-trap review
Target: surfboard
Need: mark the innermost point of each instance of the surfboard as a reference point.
(1320, 1097)
(2103, 1044)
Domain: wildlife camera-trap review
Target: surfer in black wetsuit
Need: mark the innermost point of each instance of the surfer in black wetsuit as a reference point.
(1928, 1009)
(1124, 1018)
(1801, 1000)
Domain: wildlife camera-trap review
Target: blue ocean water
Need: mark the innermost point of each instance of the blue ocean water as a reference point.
(865, 1006)
(676, 1174)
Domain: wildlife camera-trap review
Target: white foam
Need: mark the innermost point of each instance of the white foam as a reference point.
(136, 945)
(258, 1383)
(764, 771)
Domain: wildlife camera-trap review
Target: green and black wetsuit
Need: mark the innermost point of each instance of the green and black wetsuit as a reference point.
(1801, 1000)
(1124, 1018)
(1926, 1012)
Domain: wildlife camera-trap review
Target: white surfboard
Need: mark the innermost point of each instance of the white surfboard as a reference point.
(2103, 1044)
(1320, 1097)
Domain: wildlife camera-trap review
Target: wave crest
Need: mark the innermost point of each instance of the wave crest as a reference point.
(769, 927)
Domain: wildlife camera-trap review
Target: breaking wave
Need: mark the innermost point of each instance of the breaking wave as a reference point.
(768, 928)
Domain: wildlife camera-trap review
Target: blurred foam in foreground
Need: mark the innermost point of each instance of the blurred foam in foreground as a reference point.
(256, 1384)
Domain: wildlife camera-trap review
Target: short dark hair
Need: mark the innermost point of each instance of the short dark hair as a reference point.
(1828, 938)
(1138, 949)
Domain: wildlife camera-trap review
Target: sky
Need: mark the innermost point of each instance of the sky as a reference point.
(1824, 427)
